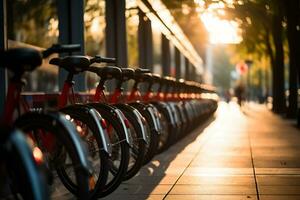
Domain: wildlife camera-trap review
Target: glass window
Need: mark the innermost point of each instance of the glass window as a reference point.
(34, 23)
(94, 24)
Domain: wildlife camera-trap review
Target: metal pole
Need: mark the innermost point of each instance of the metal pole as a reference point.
(145, 42)
(177, 63)
(71, 31)
(3, 45)
(166, 60)
(116, 43)
(187, 69)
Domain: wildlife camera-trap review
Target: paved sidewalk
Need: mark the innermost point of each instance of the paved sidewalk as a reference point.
(252, 154)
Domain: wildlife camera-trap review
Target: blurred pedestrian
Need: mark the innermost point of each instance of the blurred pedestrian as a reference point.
(240, 93)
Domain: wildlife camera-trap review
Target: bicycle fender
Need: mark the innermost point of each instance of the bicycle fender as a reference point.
(96, 117)
(17, 141)
(175, 114)
(139, 118)
(120, 117)
(169, 111)
(151, 112)
(156, 116)
(61, 123)
(148, 108)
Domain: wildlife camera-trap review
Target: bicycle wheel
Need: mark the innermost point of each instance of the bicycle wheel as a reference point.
(22, 176)
(119, 160)
(151, 148)
(168, 127)
(89, 133)
(61, 146)
(137, 151)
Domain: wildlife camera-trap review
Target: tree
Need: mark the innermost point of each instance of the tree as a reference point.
(292, 8)
(261, 23)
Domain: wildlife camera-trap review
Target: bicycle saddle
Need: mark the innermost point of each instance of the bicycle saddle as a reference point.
(20, 60)
(107, 72)
(139, 72)
(145, 77)
(73, 64)
(168, 80)
(156, 78)
(127, 73)
(142, 71)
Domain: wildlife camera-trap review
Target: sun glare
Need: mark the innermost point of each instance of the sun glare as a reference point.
(220, 31)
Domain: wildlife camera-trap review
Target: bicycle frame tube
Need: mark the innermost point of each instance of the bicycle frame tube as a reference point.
(115, 97)
(64, 96)
(63, 101)
(147, 96)
(101, 97)
(135, 95)
(99, 94)
(12, 101)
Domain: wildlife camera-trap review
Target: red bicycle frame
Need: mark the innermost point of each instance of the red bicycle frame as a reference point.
(12, 102)
(65, 94)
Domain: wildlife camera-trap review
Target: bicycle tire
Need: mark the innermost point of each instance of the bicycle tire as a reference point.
(154, 136)
(138, 139)
(23, 172)
(83, 116)
(166, 138)
(107, 112)
(31, 121)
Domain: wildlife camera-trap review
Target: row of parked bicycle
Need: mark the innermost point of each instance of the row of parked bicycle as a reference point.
(90, 147)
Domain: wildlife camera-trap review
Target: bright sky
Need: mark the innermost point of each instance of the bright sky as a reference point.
(220, 31)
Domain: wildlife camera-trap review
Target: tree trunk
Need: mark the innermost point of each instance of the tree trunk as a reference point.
(293, 52)
(279, 105)
(272, 61)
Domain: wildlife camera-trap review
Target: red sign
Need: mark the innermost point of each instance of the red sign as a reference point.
(241, 68)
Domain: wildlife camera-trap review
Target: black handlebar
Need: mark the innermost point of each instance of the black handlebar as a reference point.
(101, 59)
(142, 70)
(61, 48)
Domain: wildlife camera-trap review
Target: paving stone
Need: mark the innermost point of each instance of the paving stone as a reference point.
(277, 171)
(216, 180)
(279, 197)
(277, 161)
(213, 189)
(133, 197)
(211, 197)
(143, 189)
(278, 180)
(159, 180)
(223, 161)
(279, 189)
(217, 171)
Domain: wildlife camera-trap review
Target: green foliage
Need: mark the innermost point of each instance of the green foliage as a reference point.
(222, 67)
(33, 22)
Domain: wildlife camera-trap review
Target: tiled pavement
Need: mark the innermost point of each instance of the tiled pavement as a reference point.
(248, 154)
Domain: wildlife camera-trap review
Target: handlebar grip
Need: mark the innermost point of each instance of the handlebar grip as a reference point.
(101, 59)
(69, 47)
(58, 48)
(143, 71)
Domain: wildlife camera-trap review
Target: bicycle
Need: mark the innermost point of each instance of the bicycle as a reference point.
(51, 132)
(118, 162)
